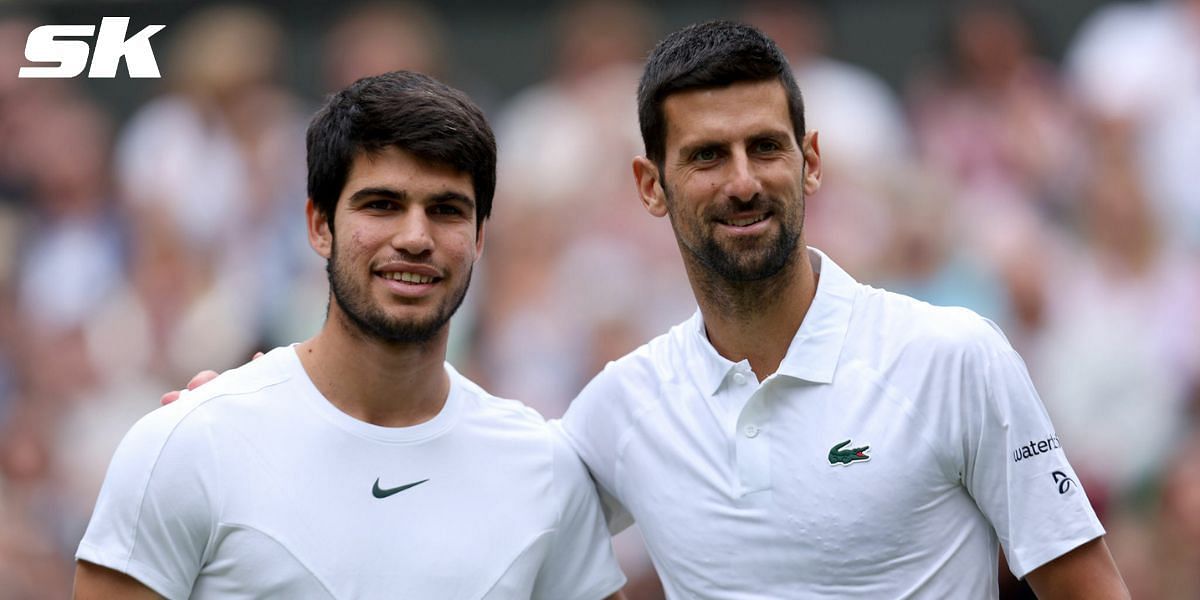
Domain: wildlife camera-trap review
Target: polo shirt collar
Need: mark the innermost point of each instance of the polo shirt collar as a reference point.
(813, 354)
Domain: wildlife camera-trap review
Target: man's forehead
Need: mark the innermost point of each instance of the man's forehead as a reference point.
(394, 162)
(726, 111)
(399, 167)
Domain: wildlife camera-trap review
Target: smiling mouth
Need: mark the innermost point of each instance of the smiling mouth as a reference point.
(409, 277)
(746, 221)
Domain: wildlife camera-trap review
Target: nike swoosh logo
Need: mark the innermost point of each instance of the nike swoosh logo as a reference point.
(379, 492)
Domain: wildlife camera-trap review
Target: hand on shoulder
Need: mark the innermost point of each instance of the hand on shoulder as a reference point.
(196, 381)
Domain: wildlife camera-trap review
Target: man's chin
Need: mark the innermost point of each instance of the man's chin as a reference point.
(739, 267)
(389, 329)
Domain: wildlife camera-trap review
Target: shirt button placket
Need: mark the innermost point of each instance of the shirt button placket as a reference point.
(753, 449)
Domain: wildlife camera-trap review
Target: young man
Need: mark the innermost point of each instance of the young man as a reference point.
(804, 435)
(358, 464)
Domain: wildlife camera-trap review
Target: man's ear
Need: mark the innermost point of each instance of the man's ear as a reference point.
(649, 184)
(320, 237)
(811, 147)
(479, 240)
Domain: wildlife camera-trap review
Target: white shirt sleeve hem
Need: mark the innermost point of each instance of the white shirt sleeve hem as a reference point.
(1032, 561)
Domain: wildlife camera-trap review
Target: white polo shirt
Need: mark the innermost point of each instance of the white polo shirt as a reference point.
(895, 445)
(255, 486)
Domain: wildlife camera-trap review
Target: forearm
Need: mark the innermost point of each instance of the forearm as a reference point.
(1087, 572)
(93, 582)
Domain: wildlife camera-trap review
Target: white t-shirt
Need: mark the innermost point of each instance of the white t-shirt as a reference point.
(895, 445)
(255, 486)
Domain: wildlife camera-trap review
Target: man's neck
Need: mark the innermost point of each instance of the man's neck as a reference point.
(373, 381)
(756, 320)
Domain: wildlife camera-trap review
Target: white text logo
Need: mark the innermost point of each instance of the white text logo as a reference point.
(72, 55)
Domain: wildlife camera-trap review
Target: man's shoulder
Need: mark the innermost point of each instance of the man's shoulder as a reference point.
(193, 427)
(634, 383)
(504, 413)
(654, 362)
(246, 386)
(901, 325)
(257, 376)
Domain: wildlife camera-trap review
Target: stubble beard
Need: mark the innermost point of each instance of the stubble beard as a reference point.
(739, 266)
(369, 320)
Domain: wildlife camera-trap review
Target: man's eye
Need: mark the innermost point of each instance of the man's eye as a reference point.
(379, 204)
(768, 146)
(446, 209)
(705, 155)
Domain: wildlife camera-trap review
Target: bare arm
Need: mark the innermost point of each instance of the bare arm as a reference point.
(1085, 572)
(95, 582)
(616, 596)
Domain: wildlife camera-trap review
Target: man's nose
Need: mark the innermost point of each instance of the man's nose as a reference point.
(413, 234)
(743, 183)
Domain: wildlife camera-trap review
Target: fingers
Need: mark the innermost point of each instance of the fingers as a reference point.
(201, 378)
(169, 397)
(198, 380)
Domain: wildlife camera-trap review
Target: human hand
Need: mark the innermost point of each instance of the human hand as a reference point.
(197, 380)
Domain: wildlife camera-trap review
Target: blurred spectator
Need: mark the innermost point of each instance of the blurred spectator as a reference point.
(924, 257)
(1119, 352)
(22, 104)
(213, 171)
(570, 224)
(994, 117)
(376, 38)
(73, 256)
(1136, 68)
(1174, 552)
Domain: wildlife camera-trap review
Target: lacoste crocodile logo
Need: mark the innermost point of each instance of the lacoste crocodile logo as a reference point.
(838, 455)
(379, 492)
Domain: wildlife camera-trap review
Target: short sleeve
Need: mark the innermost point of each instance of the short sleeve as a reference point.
(580, 563)
(153, 520)
(592, 429)
(1016, 468)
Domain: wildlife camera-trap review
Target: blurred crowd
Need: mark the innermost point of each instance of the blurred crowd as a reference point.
(1059, 198)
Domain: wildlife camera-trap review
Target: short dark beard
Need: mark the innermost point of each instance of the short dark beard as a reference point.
(726, 265)
(736, 288)
(373, 323)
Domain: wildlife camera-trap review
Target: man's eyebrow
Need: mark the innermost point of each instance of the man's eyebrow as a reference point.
(387, 193)
(767, 133)
(378, 192)
(772, 133)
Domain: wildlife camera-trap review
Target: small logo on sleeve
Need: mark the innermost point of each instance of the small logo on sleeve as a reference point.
(1035, 448)
(1064, 481)
(839, 454)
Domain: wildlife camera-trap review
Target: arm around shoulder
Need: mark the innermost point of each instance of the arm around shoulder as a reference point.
(93, 581)
(1088, 572)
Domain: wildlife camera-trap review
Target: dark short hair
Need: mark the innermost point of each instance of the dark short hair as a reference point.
(709, 55)
(406, 110)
